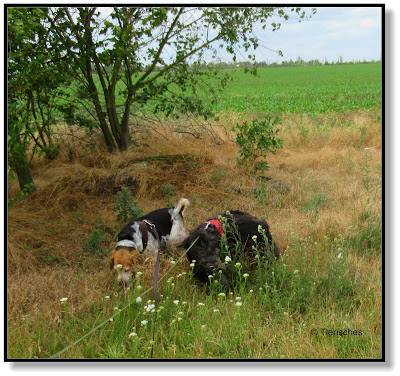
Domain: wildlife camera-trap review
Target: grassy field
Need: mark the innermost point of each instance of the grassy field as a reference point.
(311, 90)
(323, 206)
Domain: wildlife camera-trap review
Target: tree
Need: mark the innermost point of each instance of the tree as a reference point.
(126, 58)
(33, 80)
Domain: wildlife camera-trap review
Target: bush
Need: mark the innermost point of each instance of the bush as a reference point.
(126, 208)
(256, 139)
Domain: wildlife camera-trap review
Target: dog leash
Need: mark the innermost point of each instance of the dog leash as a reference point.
(155, 282)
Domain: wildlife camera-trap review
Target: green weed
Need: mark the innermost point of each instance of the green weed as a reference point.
(96, 243)
(127, 209)
(170, 191)
(313, 205)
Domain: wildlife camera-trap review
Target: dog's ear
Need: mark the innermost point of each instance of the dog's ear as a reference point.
(112, 259)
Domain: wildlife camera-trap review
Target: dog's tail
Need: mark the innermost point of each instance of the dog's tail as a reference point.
(180, 207)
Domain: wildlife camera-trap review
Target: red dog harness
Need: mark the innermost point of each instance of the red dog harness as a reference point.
(217, 224)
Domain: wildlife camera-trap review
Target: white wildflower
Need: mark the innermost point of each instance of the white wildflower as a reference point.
(133, 334)
(176, 302)
(245, 275)
(119, 266)
(143, 322)
(150, 307)
(238, 304)
(62, 300)
(138, 299)
(200, 304)
(227, 259)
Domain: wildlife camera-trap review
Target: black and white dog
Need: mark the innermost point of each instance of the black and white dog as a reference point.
(146, 235)
(205, 251)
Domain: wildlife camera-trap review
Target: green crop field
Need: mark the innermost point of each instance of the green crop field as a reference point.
(312, 90)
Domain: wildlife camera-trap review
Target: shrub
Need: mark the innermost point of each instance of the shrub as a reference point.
(126, 208)
(256, 139)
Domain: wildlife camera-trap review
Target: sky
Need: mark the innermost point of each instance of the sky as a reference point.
(334, 32)
(353, 33)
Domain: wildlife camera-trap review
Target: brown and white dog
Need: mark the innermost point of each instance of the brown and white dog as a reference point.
(145, 236)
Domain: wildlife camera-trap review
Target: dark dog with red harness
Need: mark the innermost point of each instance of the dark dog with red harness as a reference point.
(205, 251)
(145, 236)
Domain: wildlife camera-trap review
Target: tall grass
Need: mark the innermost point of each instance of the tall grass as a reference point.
(269, 314)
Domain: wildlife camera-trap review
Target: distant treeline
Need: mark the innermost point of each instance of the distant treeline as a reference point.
(299, 62)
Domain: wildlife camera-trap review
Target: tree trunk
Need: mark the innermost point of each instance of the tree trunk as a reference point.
(108, 139)
(21, 167)
(125, 139)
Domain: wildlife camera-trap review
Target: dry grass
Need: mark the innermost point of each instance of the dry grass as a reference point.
(46, 230)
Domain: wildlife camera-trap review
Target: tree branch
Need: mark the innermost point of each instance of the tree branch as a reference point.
(168, 67)
(158, 54)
